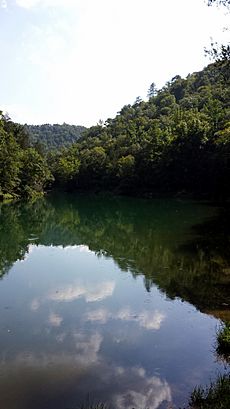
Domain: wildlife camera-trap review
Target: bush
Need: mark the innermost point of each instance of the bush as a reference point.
(223, 340)
(216, 396)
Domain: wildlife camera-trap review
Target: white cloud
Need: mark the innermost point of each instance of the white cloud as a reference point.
(146, 319)
(140, 391)
(3, 4)
(100, 315)
(87, 348)
(84, 249)
(150, 320)
(35, 304)
(126, 314)
(55, 320)
(127, 387)
(96, 56)
(91, 292)
(86, 353)
(61, 337)
(144, 391)
(27, 3)
(30, 4)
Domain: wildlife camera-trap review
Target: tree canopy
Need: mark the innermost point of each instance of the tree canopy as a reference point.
(177, 141)
(23, 171)
(54, 136)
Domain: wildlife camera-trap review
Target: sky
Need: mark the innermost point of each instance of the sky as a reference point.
(81, 61)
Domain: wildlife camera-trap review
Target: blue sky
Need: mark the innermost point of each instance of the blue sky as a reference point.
(78, 61)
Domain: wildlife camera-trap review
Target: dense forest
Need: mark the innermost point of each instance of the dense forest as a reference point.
(54, 136)
(176, 143)
(23, 170)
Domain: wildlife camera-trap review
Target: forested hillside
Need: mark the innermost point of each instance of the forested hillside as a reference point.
(23, 171)
(54, 136)
(178, 142)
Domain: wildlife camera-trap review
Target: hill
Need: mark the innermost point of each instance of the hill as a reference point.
(54, 136)
(177, 141)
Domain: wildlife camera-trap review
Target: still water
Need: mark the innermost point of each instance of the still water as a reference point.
(112, 300)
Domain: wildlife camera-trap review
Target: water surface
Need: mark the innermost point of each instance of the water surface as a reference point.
(113, 300)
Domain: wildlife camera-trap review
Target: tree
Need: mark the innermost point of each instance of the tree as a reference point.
(66, 166)
(34, 174)
(138, 100)
(10, 161)
(152, 91)
(219, 2)
(125, 167)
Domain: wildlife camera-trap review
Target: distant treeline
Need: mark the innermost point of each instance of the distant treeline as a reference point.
(178, 142)
(49, 137)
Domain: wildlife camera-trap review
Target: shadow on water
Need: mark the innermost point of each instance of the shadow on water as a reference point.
(182, 247)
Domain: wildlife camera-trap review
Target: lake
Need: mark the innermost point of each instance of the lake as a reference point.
(113, 300)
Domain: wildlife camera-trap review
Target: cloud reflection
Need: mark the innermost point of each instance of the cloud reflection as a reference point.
(151, 320)
(145, 392)
(91, 293)
(87, 348)
(79, 369)
(124, 387)
(55, 320)
(35, 304)
(100, 315)
(85, 353)
(3, 4)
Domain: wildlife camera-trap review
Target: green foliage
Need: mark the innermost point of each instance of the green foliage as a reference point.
(177, 141)
(23, 171)
(65, 166)
(223, 340)
(10, 161)
(54, 137)
(125, 166)
(216, 396)
(34, 174)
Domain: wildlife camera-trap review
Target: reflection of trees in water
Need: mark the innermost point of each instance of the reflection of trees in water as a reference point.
(216, 395)
(212, 278)
(13, 243)
(150, 238)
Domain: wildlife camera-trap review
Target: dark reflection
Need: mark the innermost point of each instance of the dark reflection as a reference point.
(210, 289)
(181, 247)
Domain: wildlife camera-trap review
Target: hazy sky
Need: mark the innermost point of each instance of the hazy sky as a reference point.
(78, 61)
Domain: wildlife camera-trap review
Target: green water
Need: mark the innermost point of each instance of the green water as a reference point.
(113, 300)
